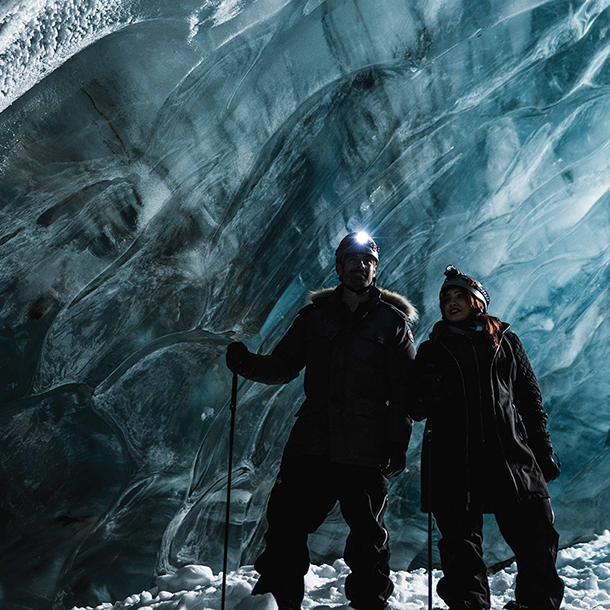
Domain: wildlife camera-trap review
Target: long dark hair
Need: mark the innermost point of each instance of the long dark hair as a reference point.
(492, 326)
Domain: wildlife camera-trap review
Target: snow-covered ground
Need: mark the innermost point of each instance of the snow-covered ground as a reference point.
(585, 569)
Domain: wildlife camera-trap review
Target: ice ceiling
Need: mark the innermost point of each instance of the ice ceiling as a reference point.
(174, 176)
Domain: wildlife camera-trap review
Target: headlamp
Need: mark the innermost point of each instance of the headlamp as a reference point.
(360, 242)
(363, 238)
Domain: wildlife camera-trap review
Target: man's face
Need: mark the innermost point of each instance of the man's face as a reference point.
(357, 270)
(455, 305)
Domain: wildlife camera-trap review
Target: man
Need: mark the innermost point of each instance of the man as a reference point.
(352, 430)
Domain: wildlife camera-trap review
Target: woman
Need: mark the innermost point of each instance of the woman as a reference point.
(487, 451)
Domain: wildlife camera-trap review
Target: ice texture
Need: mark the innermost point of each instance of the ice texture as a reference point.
(175, 176)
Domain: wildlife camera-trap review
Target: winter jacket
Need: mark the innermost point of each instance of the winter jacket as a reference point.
(356, 376)
(485, 421)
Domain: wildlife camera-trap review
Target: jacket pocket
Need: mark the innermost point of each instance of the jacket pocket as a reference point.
(322, 331)
(371, 334)
(519, 427)
(368, 353)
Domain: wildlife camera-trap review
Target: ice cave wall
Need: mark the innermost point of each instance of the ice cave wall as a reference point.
(183, 181)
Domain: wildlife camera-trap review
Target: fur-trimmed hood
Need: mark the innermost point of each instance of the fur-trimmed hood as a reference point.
(393, 298)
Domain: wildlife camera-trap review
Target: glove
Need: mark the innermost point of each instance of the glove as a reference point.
(550, 470)
(239, 358)
(394, 460)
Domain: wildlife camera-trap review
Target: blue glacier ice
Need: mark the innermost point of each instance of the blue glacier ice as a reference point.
(175, 176)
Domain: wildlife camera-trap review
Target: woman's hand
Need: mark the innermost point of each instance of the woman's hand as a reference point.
(550, 469)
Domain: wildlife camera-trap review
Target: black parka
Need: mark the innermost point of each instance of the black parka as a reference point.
(356, 376)
(497, 439)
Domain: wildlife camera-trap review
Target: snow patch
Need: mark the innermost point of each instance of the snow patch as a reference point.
(186, 578)
(585, 569)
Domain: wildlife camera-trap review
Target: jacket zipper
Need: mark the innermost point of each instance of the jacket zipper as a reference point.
(476, 361)
(493, 402)
(467, 427)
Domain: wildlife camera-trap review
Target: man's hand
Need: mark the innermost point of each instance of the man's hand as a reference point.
(395, 460)
(239, 358)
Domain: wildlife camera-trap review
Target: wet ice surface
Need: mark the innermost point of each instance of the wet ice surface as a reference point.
(585, 569)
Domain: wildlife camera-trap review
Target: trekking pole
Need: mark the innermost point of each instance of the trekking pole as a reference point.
(428, 441)
(233, 408)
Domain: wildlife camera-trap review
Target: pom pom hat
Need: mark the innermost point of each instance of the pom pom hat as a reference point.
(456, 279)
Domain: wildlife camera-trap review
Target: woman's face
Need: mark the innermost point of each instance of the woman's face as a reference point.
(455, 305)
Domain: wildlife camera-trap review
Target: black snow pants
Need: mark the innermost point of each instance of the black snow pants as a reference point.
(306, 490)
(527, 528)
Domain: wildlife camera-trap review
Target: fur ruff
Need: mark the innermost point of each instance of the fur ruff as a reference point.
(393, 298)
